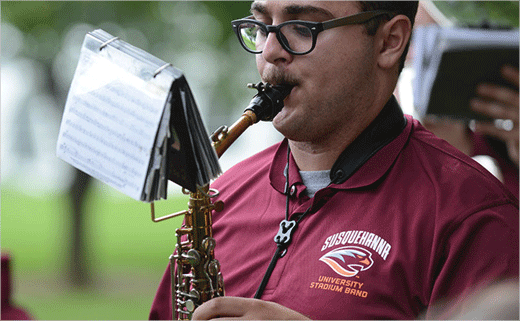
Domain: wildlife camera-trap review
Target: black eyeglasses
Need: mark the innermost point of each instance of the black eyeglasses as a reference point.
(296, 37)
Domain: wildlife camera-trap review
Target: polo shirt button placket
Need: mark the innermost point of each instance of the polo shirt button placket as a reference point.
(292, 191)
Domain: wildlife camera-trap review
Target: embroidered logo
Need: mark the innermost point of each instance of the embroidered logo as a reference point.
(360, 238)
(348, 254)
(348, 261)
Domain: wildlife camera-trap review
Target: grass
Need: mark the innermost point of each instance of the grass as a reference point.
(127, 252)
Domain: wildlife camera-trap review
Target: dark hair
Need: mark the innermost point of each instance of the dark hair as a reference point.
(407, 8)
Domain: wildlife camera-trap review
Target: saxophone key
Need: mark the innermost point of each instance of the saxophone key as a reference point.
(218, 206)
(192, 257)
(209, 244)
(214, 268)
(190, 306)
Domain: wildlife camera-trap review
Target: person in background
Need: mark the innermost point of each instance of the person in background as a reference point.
(10, 311)
(360, 212)
(499, 140)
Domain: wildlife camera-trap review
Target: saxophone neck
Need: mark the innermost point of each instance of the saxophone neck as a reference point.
(264, 106)
(224, 136)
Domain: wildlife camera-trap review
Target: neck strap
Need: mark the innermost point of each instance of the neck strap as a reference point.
(386, 127)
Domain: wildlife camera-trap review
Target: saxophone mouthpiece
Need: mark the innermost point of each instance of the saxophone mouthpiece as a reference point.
(268, 102)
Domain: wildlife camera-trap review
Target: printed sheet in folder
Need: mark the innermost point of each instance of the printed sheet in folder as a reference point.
(131, 121)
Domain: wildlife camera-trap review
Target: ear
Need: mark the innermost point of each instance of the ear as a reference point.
(392, 38)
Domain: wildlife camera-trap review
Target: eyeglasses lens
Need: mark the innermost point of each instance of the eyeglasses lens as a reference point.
(250, 36)
(295, 37)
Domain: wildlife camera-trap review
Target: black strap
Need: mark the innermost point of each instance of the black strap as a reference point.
(269, 271)
(283, 239)
(385, 128)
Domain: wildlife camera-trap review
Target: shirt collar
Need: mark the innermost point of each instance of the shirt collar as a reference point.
(364, 161)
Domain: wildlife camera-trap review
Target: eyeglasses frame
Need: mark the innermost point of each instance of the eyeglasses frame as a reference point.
(314, 27)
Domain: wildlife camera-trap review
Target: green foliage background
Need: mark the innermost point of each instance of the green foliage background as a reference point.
(475, 13)
(128, 253)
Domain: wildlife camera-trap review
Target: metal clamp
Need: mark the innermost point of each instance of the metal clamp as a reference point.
(104, 44)
(165, 217)
(158, 71)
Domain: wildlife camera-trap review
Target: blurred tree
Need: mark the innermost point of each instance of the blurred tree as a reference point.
(31, 17)
(476, 13)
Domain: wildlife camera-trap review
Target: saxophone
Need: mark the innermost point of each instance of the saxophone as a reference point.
(195, 273)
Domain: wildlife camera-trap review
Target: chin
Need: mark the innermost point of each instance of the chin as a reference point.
(281, 118)
(288, 127)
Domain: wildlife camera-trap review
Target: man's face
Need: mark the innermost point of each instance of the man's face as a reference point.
(332, 83)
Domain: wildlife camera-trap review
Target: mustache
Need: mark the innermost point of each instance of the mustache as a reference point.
(277, 77)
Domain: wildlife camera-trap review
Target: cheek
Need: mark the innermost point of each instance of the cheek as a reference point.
(260, 63)
(329, 64)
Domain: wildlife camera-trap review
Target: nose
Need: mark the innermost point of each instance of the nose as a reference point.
(273, 51)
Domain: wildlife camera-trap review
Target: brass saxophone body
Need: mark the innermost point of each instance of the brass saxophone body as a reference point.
(195, 273)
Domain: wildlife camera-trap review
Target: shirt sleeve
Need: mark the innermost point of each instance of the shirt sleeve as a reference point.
(478, 252)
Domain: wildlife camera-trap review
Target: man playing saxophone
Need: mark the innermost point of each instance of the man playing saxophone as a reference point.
(360, 212)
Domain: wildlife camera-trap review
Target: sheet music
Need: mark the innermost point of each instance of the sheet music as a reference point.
(131, 121)
(111, 118)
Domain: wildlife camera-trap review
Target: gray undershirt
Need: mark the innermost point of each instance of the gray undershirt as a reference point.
(315, 180)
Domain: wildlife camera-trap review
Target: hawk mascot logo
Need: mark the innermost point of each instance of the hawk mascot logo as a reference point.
(348, 261)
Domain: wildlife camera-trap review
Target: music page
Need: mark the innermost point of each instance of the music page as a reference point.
(112, 116)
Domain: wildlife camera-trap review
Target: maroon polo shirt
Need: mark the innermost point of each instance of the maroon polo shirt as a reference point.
(410, 222)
